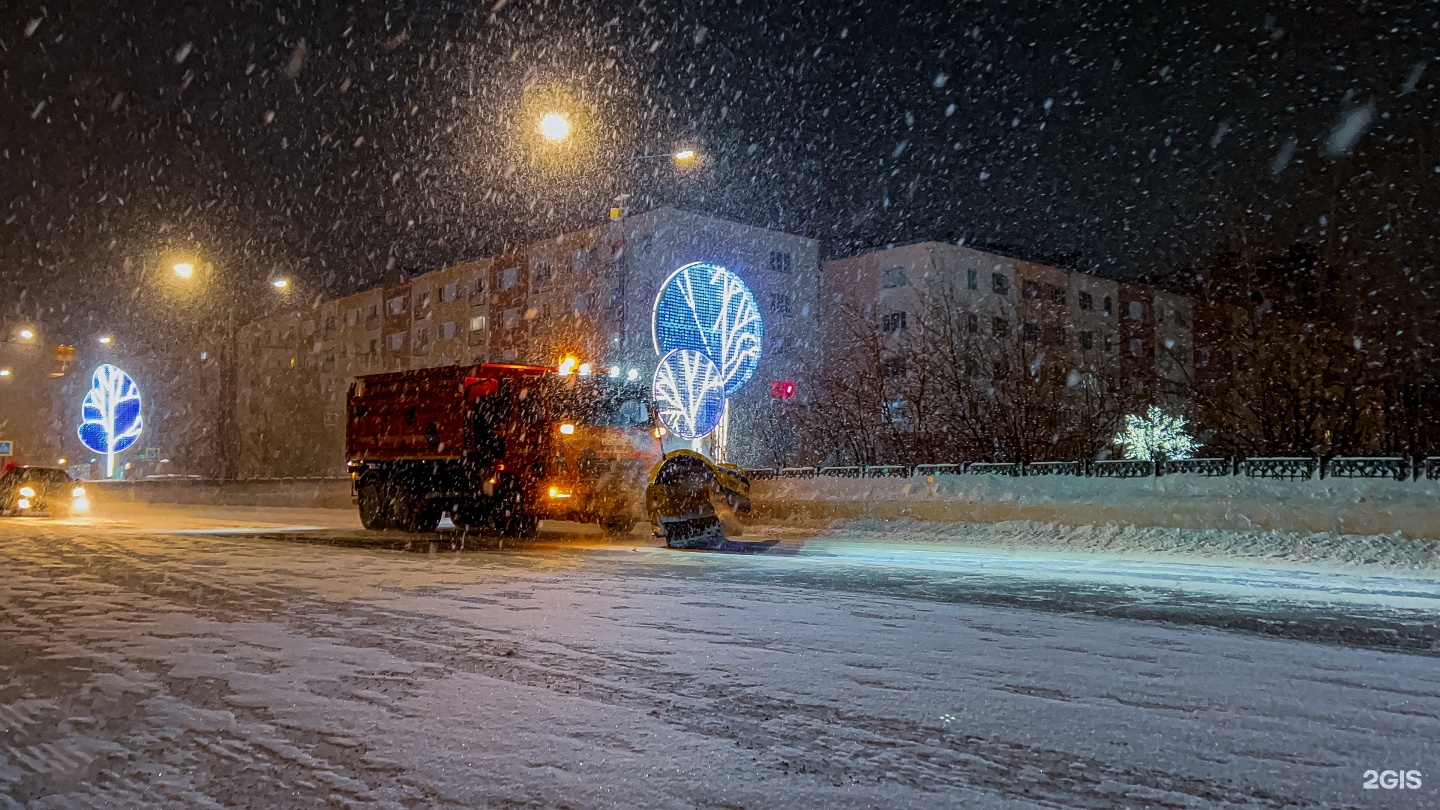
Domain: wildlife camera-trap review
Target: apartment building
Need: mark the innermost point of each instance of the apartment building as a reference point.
(587, 294)
(1060, 321)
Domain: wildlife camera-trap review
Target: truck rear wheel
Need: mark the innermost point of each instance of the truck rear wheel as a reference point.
(374, 506)
(412, 513)
(508, 514)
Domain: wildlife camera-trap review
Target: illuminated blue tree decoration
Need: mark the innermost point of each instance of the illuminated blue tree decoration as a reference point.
(110, 414)
(705, 308)
(689, 393)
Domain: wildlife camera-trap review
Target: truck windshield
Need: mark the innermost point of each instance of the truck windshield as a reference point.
(602, 405)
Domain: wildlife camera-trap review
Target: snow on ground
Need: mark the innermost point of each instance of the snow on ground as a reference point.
(205, 671)
(1344, 522)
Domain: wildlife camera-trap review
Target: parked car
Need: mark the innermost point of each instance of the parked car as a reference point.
(41, 491)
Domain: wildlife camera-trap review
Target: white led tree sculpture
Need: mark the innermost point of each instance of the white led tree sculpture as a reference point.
(689, 393)
(1156, 436)
(706, 308)
(110, 415)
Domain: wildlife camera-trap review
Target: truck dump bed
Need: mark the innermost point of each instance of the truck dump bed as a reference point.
(419, 415)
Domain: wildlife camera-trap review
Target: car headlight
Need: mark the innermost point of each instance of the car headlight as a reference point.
(80, 504)
(27, 492)
(77, 492)
(23, 503)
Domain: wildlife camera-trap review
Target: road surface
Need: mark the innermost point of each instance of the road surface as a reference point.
(192, 657)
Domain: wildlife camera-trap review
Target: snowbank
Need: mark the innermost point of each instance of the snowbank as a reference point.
(1410, 509)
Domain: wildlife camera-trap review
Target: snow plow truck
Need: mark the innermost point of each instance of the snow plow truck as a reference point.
(498, 447)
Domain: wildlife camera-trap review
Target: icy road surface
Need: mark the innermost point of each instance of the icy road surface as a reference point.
(214, 658)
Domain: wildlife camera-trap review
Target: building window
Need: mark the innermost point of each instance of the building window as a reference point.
(1057, 294)
(1087, 301)
(1000, 284)
(477, 323)
(511, 318)
(1029, 331)
(509, 278)
(352, 317)
(422, 338)
(1029, 289)
(450, 292)
(540, 272)
(780, 304)
(1000, 327)
(972, 323)
(1137, 311)
(580, 260)
(447, 330)
(1137, 347)
(308, 328)
(396, 305)
(1087, 339)
(582, 303)
(893, 367)
(329, 325)
(894, 277)
(972, 367)
(1057, 336)
(972, 279)
(397, 341)
(780, 262)
(479, 289)
(374, 346)
(893, 322)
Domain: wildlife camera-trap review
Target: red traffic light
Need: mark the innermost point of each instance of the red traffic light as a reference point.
(782, 389)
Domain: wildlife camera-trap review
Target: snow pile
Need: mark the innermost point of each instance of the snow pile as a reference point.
(1344, 506)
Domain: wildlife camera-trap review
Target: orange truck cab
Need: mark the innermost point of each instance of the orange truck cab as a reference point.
(499, 447)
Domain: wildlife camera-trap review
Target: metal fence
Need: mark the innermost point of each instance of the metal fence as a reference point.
(1296, 468)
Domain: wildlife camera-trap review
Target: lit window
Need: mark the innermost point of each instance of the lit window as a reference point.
(477, 323)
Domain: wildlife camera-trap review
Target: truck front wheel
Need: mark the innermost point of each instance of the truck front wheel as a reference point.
(374, 506)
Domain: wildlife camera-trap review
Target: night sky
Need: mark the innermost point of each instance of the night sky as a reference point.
(345, 144)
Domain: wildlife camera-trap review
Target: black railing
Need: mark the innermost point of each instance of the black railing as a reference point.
(1297, 468)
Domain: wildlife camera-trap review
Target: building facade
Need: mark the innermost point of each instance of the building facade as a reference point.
(586, 294)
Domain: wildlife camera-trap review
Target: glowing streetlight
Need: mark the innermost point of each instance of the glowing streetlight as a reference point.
(4, 372)
(685, 154)
(184, 269)
(106, 340)
(27, 334)
(554, 127)
(281, 284)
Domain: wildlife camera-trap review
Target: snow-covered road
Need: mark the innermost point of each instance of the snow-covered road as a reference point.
(162, 659)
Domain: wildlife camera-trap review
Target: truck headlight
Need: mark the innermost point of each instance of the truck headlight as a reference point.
(27, 492)
(77, 492)
(80, 504)
(23, 503)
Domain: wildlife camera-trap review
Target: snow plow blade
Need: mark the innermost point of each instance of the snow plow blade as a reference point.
(684, 492)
